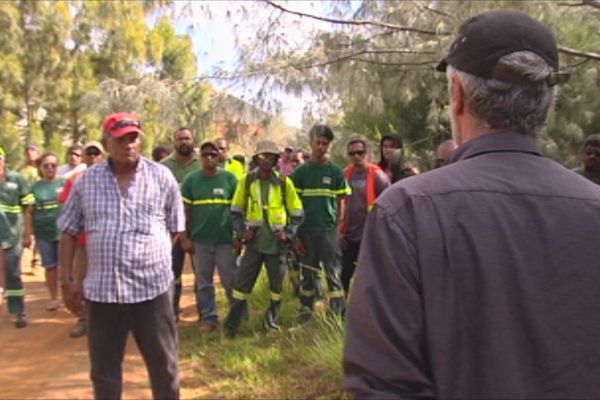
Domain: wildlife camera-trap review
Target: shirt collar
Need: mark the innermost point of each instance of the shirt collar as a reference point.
(497, 143)
(141, 165)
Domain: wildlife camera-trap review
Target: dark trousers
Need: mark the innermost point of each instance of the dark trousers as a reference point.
(245, 279)
(349, 257)
(153, 328)
(322, 248)
(177, 260)
(15, 292)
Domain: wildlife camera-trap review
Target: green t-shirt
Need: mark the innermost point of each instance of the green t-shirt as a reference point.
(319, 186)
(266, 242)
(47, 208)
(210, 200)
(180, 171)
(14, 194)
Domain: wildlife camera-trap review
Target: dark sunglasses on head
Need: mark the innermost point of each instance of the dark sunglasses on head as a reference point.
(356, 153)
(92, 152)
(125, 123)
(209, 155)
(48, 165)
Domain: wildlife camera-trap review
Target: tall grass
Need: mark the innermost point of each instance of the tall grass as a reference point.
(301, 361)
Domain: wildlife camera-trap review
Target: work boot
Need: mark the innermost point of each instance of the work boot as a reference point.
(272, 316)
(21, 321)
(238, 310)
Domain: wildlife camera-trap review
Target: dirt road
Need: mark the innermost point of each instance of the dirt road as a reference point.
(41, 361)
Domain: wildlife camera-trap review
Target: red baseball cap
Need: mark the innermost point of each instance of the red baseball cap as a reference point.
(120, 124)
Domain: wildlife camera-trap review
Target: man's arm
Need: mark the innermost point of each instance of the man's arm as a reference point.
(72, 290)
(383, 353)
(28, 225)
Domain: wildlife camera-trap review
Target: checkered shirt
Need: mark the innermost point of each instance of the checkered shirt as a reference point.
(128, 240)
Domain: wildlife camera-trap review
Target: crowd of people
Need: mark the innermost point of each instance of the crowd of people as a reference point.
(471, 278)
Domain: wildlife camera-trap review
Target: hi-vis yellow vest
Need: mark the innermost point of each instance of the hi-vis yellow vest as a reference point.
(247, 201)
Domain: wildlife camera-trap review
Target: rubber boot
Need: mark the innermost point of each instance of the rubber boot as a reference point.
(272, 316)
(239, 308)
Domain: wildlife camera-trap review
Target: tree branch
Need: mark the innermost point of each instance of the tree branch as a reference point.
(357, 22)
(579, 53)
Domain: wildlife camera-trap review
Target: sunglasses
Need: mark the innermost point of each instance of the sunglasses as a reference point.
(48, 165)
(75, 154)
(359, 153)
(92, 153)
(209, 155)
(125, 123)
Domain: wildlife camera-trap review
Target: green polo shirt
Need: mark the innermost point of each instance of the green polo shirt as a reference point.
(210, 200)
(179, 170)
(319, 187)
(14, 194)
(47, 209)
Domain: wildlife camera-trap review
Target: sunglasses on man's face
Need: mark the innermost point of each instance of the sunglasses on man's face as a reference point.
(359, 153)
(48, 165)
(75, 154)
(592, 153)
(267, 157)
(209, 155)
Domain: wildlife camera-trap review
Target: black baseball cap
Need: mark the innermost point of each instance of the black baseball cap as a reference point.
(485, 38)
(208, 144)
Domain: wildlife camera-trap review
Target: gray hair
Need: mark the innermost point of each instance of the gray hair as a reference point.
(505, 105)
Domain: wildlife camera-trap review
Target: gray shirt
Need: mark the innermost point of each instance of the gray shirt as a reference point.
(356, 214)
(479, 279)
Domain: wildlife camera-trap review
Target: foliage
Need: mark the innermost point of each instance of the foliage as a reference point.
(64, 65)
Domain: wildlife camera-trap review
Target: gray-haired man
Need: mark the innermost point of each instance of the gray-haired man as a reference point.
(480, 279)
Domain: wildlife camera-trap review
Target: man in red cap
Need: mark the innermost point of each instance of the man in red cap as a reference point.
(129, 207)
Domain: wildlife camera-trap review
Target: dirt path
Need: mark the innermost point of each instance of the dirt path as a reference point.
(41, 361)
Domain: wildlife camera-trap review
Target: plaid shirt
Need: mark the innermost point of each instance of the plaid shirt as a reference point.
(128, 241)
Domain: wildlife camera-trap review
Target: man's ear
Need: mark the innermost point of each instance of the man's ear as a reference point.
(458, 96)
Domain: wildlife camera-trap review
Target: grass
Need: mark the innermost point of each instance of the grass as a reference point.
(300, 362)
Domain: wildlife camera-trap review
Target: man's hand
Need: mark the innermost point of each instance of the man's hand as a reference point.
(298, 247)
(248, 235)
(281, 235)
(187, 245)
(73, 297)
(27, 241)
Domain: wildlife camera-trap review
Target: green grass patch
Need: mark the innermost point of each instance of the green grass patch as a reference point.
(300, 362)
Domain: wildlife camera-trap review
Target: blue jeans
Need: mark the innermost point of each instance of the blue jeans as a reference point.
(209, 255)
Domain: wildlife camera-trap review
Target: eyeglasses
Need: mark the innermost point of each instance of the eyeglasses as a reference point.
(125, 123)
(209, 155)
(359, 153)
(92, 152)
(48, 165)
(75, 154)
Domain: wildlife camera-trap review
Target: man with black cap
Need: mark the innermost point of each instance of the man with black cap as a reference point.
(480, 279)
(130, 209)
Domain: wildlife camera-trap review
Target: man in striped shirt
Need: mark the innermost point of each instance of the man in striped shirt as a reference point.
(128, 206)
